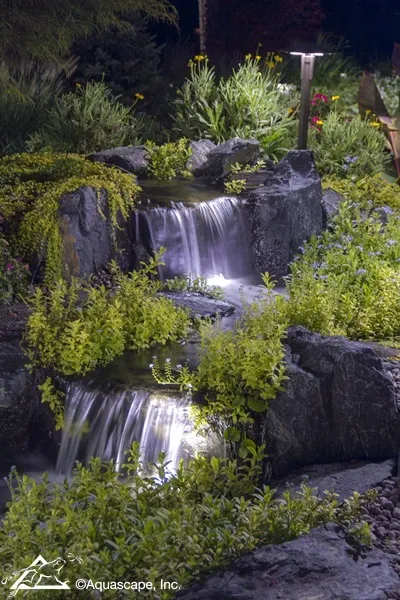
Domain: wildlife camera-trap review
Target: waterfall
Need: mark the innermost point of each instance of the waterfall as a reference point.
(207, 238)
(105, 424)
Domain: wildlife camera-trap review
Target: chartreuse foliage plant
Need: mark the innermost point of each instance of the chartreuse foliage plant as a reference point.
(375, 189)
(240, 370)
(250, 103)
(74, 327)
(348, 147)
(136, 528)
(169, 160)
(348, 280)
(30, 189)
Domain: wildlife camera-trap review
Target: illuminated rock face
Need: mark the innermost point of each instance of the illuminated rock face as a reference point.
(284, 213)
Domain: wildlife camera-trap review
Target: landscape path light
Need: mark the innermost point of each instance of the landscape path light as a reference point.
(307, 72)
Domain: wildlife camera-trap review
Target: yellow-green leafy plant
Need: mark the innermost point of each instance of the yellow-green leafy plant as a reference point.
(238, 168)
(236, 186)
(169, 160)
(348, 280)
(250, 103)
(74, 328)
(31, 186)
(240, 370)
(348, 147)
(127, 527)
(54, 398)
(367, 189)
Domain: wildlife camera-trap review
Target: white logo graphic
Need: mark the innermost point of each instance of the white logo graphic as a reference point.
(41, 575)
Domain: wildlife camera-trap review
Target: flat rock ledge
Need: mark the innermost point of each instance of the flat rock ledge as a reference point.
(322, 565)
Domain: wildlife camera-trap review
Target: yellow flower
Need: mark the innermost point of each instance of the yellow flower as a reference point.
(199, 57)
(334, 98)
(375, 124)
(78, 85)
(291, 111)
(278, 58)
(320, 122)
(368, 112)
(248, 57)
(258, 57)
(139, 96)
(270, 64)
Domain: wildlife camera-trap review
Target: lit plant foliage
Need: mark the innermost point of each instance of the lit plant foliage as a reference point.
(72, 335)
(136, 529)
(30, 190)
(248, 104)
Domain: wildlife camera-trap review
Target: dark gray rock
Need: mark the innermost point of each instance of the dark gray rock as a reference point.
(16, 395)
(339, 404)
(331, 202)
(284, 212)
(341, 478)
(133, 159)
(220, 160)
(86, 234)
(318, 566)
(200, 306)
(198, 158)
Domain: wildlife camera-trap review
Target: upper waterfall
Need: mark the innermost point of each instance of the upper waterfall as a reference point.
(201, 239)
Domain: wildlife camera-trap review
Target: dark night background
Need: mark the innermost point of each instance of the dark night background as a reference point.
(370, 26)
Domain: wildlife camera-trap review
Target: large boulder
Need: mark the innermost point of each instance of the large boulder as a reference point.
(133, 159)
(89, 242)
(339, 404)
(220, 159)
(323, 565)
(284, 212)
(86, 235)
(199, 155)
(16, 395)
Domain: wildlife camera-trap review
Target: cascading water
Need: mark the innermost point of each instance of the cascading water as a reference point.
(105, 424)
(203, 239)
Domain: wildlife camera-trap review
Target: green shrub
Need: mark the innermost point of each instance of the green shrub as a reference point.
(236, 186)
(348, 147)
(348, 280)
(85, 121)
(169, 160)
(14, 275)
(134, 529)
(30, 190)
(248, 104)
(26, 94)
(239, 370)
(72, 335)
(375, 189)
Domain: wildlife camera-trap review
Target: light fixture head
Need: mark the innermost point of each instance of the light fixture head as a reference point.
(307, 53)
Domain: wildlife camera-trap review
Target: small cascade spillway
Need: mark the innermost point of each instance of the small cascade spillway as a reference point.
(203, 238)
(106, 423)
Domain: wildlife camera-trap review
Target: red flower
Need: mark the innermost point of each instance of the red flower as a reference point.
(321, 97)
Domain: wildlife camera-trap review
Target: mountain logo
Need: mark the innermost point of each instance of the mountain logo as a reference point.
(41, 575)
